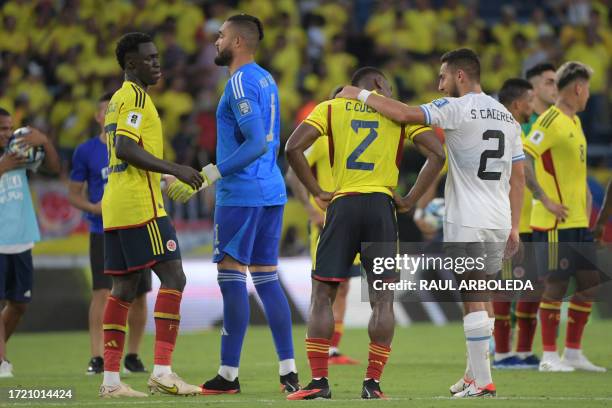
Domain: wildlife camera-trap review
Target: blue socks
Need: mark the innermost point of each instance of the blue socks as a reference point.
(277, 312)
(235, 315)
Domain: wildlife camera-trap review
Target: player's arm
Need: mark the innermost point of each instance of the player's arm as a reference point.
(517, 187)
(429, 145)
(76, 196)
(77, 184)
(394, 110)
(531, 181)
(301, 193)
(127, 150)
(37, 138)
(300, 140)
(10, 161)
(604, 214)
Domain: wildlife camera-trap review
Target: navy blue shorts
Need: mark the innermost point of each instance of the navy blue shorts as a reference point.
(16, 271)
(134, 249)
(250, 235)
(567, 251)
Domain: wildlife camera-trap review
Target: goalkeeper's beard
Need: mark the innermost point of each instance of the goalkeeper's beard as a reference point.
(224, 58)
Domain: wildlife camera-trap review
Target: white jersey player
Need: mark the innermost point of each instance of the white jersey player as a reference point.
(484, 186)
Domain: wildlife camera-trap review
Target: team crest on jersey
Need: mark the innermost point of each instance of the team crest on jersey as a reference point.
(171, 245)
(537, 137)
(134, 119)
(440, 102)
(244, 107)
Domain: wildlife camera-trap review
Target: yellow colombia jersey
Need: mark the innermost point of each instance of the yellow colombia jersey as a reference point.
(559, 145)
(364, 147)
(318, 160)
(132, 196)
(524, 224)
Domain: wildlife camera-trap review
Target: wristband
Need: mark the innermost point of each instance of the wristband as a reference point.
(363, 95)
(418, 214)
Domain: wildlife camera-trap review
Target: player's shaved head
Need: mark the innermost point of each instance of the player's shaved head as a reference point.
(365, 76)
(465, 60)
(372, 79)
(248, 27)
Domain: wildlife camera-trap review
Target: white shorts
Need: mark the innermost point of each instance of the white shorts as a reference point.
(477, 242)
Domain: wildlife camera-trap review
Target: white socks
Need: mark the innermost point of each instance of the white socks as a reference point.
(286, 366)
(468, 369)
(228, 372)
(572, 353)
(111, 378)
(478, 329)
(159, 370)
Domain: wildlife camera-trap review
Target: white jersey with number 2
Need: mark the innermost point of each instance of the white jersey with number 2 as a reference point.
(482, 140)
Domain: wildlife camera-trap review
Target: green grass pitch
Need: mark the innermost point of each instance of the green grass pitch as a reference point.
(425, 360)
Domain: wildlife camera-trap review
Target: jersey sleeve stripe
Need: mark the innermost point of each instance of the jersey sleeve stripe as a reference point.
(417, 131)
(518, 158)
(400, 147)
(125, 132)
(232, 79)
(530, 151)
(550, 119)
(240, 88)
(318, 126)
(426, 113)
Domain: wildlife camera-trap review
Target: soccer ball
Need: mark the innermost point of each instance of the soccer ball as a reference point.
(434, 213)
(34, 155)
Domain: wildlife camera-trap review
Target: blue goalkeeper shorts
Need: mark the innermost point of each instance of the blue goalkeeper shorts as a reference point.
(250, 235)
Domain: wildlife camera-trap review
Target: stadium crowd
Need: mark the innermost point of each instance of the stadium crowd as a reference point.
(57, 58)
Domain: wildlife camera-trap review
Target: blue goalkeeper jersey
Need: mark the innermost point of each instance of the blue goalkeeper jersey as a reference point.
(250, 95)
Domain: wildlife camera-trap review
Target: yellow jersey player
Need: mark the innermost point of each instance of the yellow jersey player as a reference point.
(557, 175)
(318, 160)
(137, 232)
(364, 153)
(517, 95)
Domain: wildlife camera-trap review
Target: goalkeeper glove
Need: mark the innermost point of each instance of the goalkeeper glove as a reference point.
(182, 192)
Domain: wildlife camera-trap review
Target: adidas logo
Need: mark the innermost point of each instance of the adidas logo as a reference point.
(224, 332)
(27, 294)
(111, 343)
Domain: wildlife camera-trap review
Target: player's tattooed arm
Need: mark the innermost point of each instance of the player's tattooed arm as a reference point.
(559, 210)
(429, 146)
(129, 151)
(300, 140)
(394, 110)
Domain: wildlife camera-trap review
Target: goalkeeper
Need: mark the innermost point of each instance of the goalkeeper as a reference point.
(250, 197)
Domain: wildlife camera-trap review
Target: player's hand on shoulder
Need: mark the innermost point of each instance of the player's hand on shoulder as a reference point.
(11, 161)
(349, 92)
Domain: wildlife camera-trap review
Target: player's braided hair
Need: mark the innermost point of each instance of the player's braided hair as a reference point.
(129, 43)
